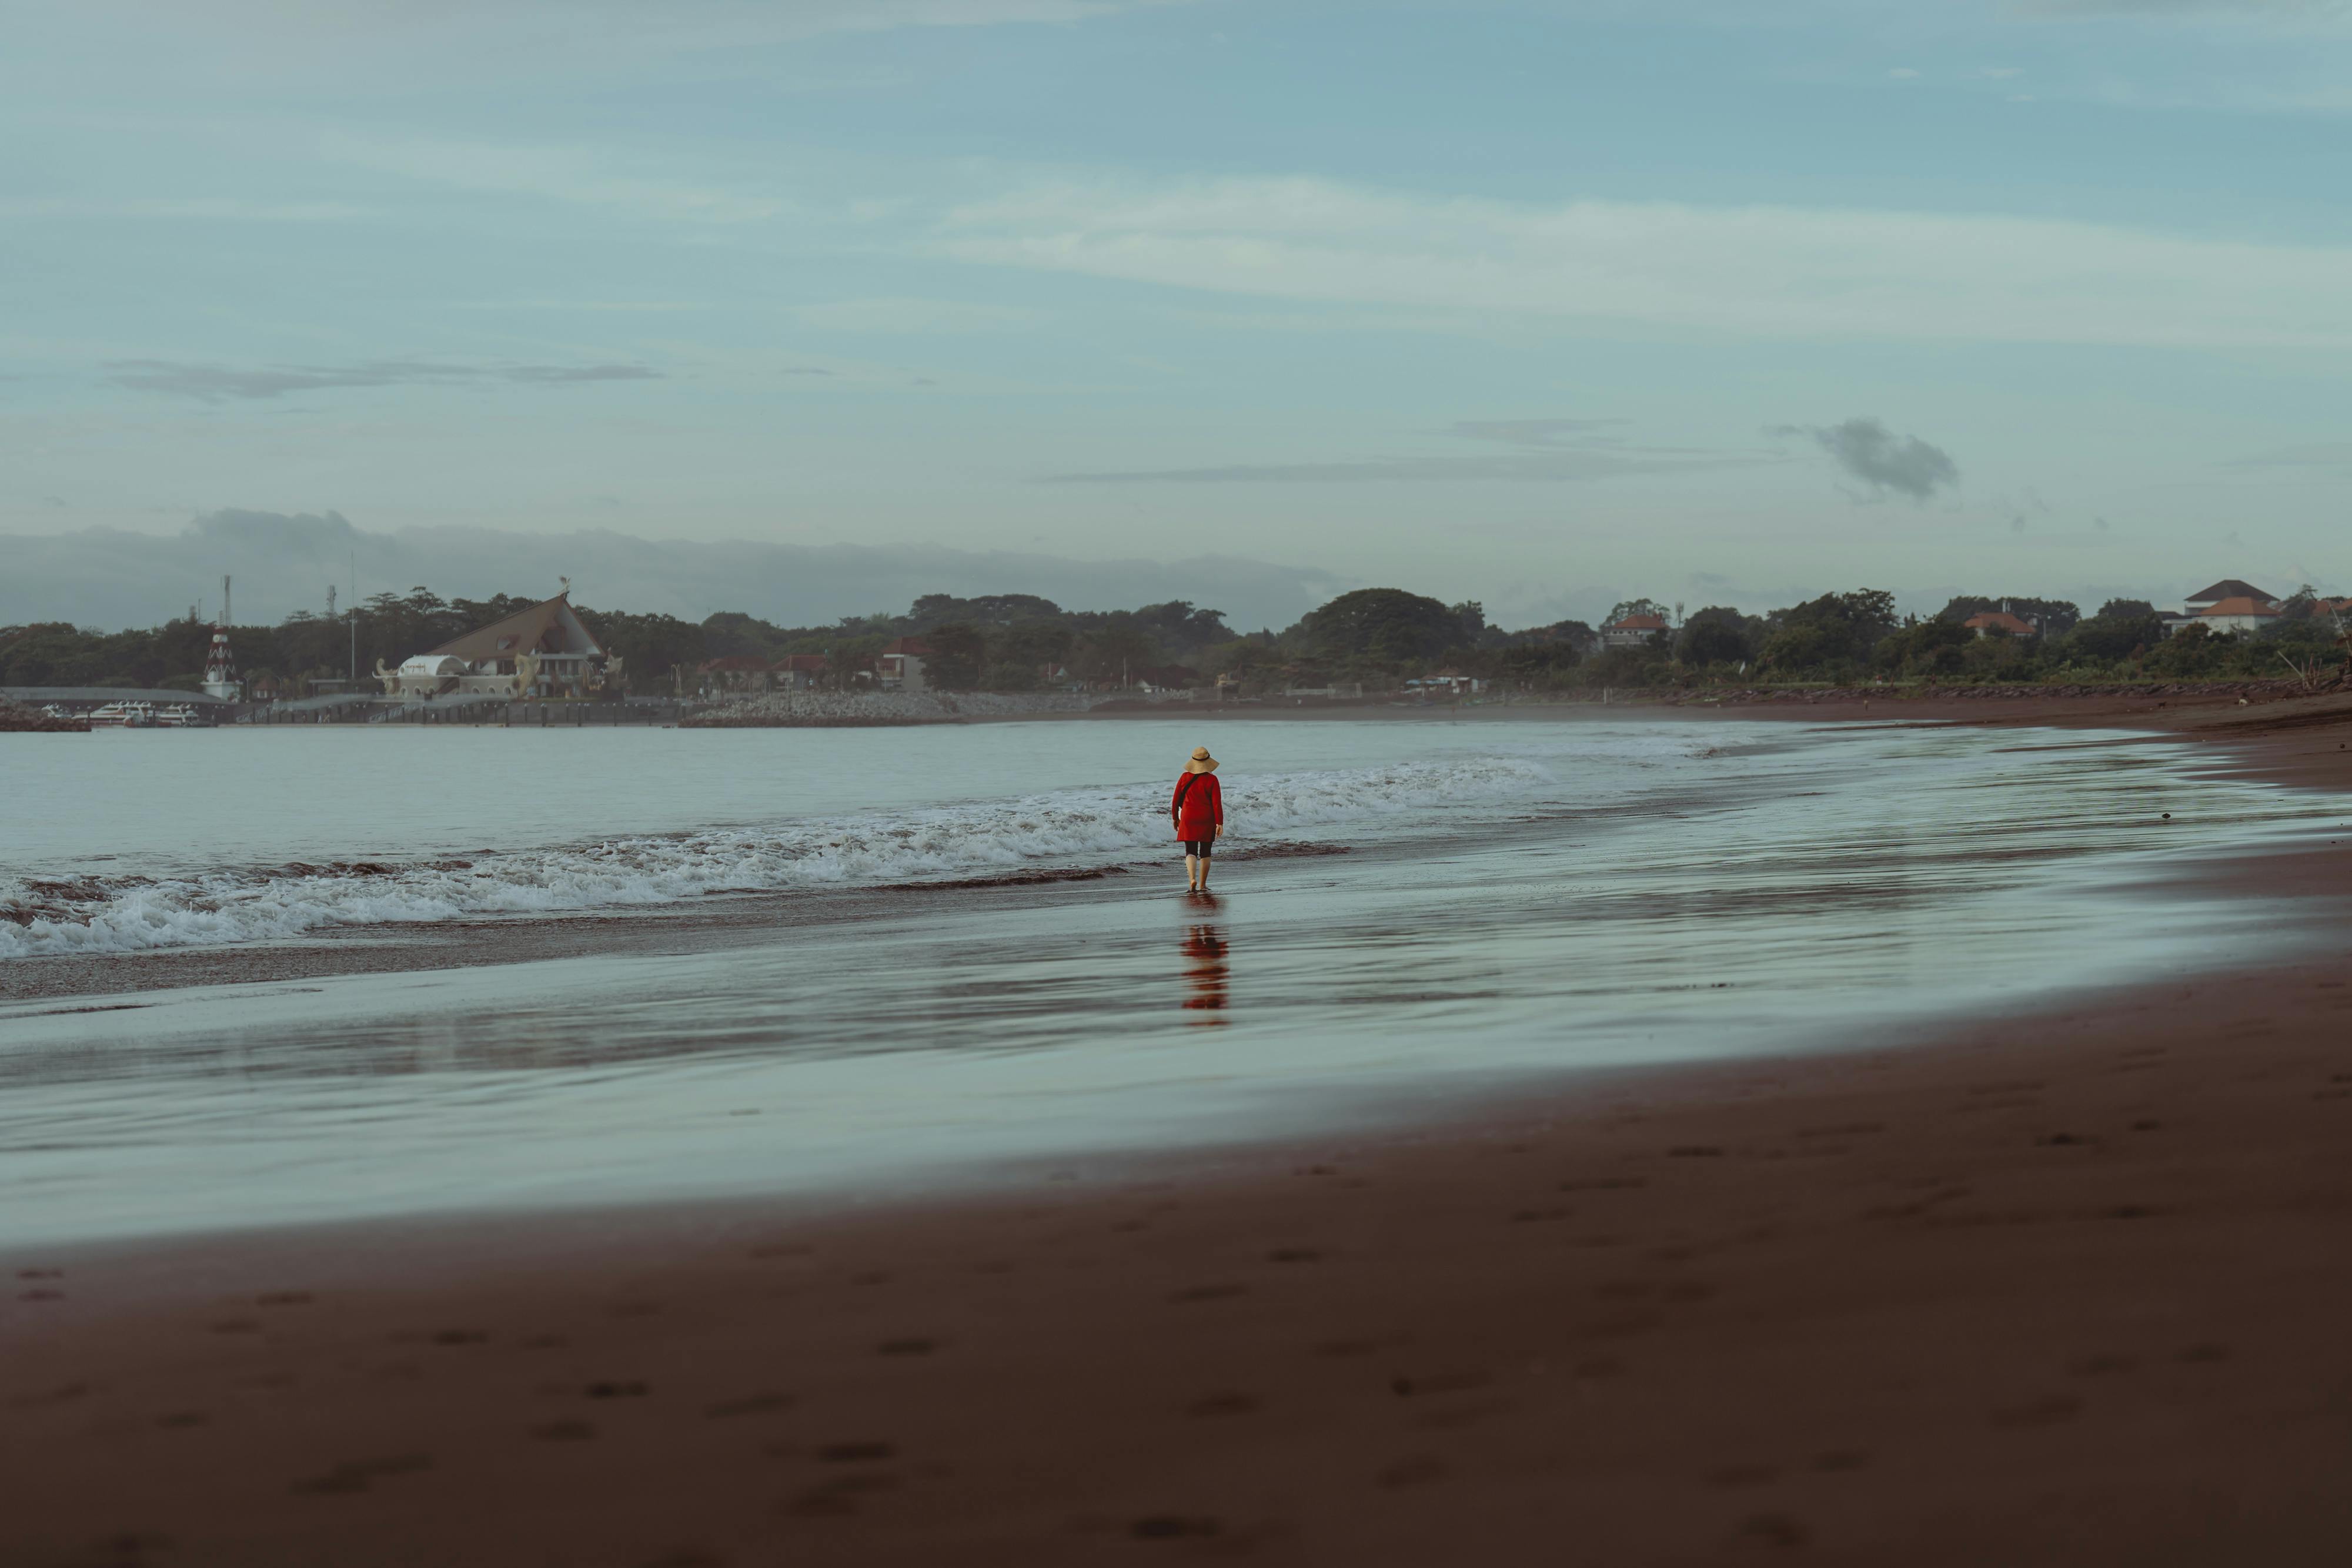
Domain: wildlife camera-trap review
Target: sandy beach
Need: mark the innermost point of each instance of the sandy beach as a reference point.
(2066, 1289)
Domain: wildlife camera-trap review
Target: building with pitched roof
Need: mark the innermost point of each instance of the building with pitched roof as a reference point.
(2239, 612)
(2000, 622)
(545, 650)
(2205, 597)
(1633, 632)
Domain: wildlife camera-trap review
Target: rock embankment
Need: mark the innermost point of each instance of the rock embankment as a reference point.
(17, 719)
(842, 710)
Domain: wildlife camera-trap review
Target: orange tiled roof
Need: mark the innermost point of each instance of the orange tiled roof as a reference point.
(1998, 620)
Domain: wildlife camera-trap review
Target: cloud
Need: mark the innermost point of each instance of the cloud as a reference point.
(1874, 454)
(284, 561)
(214, 383)
(2316, 454)
(203, 209)
(1549, 451)
(925, 316)
(2255, 10)
(1756, 271)
(1546, 432)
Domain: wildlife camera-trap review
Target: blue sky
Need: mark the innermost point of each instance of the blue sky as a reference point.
(1541, 304)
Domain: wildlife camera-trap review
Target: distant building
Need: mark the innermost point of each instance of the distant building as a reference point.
(900, 665)
(2240, 612)
(2206, 598)
(735, 672)
(798, 672)
(2000, 624)
(544, 651)
(1633, 632)
(2231, 591)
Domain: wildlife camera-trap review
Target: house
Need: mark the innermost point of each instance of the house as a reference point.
(798, 672)
(2239, 612)
(2000, 624)
(2204, 599)
(545, 650)
(1633, 632)
(2228, 589)
(735, 672)
(901, 663)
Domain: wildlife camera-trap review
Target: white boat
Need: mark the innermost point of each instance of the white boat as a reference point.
(183, 716)
(124, 715)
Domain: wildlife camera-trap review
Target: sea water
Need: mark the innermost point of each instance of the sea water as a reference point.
(1408, 913)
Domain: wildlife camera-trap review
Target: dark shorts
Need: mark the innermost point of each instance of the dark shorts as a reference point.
(1201, 847)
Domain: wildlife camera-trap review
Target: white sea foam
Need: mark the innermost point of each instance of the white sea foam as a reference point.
(1071, 827)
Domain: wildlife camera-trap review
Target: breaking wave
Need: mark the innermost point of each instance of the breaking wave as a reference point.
(128, 914)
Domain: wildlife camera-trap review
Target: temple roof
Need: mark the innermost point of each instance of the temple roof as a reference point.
(547, 627)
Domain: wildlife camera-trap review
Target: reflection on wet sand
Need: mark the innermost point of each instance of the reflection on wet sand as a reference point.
(1205, 972)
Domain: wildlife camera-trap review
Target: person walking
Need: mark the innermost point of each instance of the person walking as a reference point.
(1198, 815)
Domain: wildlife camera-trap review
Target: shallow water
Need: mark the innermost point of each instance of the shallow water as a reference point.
(1515, 899)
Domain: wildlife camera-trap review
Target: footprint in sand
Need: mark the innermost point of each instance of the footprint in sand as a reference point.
(750, 1404)
(2049, 1411)
(1208, 1293)
(1774, 1530)
(859, 1453)
(358, 1475)
(1427, 1384)
(1174, 1527)
(1419, 1470)
(616, 1389)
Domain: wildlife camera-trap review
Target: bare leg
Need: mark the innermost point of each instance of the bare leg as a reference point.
(1205, 873)
(1192, 873)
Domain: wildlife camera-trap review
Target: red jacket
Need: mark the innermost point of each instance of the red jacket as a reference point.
(1204, 808)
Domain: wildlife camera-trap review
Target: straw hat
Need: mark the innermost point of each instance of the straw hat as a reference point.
(1202, 761)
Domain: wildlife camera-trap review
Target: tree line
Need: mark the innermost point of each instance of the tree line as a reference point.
(1379, 635)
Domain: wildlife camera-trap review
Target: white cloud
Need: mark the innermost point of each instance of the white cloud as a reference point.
(1770, 272)
(919, 316)
(571, 174)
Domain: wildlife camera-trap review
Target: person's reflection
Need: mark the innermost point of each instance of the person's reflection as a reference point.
(1205, 972)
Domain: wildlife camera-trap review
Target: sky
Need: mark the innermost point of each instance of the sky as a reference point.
(1544, 303)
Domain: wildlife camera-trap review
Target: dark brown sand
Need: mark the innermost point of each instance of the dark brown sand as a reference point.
(2071, 1290)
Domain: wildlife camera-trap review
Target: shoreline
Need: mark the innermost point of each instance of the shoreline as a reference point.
(2061, 1289)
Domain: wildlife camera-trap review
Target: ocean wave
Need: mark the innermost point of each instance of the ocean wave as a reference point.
(134, 913)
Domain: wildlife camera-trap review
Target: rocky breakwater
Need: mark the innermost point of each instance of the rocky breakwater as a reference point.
(848, 710)
(17, 719)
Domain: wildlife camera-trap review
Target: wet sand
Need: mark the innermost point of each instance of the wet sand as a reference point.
(2066, 1289)
(2068, 1293)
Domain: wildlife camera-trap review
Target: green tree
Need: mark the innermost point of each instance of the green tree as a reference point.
(1383, 627)
(1718, 635)
(959, 654)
